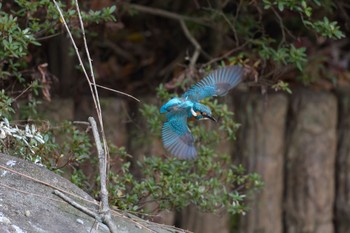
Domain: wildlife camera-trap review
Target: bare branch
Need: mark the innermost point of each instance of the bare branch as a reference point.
(164, 13)
(77, 205)
(119, 92)
(16, 190)
(24, 91)
(102, 152)
(103, 217)
(117, 50)
(72, 40)
(181, 19)
(93, 88)
(195, 43)
(102, 164)
(42, 182)
(91, 82)
(280, 20)
(227, 54)
(104, 211)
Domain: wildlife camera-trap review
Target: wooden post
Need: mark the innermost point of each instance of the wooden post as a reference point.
(342, 200)
(260, 148)
(310, 162)
(196, 221)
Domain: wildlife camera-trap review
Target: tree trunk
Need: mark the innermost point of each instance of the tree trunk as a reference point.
(310, 159)
(260, 147)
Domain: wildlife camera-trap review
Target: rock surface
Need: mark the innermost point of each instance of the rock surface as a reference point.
(27, 204)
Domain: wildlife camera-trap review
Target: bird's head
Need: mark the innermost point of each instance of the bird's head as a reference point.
(202, 112)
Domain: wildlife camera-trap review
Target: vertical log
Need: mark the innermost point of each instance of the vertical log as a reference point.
(342, 200)
(57, 110)
(260, 148)
(310, 158)
(191, 217)
(198, 222)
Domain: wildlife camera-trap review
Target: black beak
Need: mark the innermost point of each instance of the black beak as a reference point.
(211, 118)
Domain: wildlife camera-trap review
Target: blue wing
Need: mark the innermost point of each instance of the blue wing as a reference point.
(217, 83)
(177, 138)
(171, 105)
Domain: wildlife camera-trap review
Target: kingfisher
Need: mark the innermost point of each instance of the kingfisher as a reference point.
(176, 136)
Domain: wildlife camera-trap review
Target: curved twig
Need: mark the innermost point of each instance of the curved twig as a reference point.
(119, 92)
(181, 19)
(77, 205)
(195, 43)
(164, 13)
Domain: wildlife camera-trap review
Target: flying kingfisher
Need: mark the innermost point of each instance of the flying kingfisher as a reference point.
(176, 135)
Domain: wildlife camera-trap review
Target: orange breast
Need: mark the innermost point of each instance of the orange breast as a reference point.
(192, 118)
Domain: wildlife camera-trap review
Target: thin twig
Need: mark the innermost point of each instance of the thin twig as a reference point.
(117, 50)
(93, 91)
(42, 182)
(181, 19)
(48, 37)
(77, 205)
(235, 34)
(164, 13)
(280, 20)
(104, 211)
(24, 91)
(72, 39)
(119, 92)
(81, 123)
(29, 193)
(231, 25)
(235, 19)
(78, 55)
(195, 43)
(76, 49)
(94, 88)
(226, 54)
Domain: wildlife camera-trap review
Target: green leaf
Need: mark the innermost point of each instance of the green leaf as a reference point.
(112, 9)
(281, 6)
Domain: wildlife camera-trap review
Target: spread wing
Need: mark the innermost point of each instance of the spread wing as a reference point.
(217, 83)
(177, 138)
(172, 105)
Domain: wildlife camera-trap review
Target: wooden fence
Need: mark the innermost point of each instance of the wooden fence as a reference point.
(299, 143)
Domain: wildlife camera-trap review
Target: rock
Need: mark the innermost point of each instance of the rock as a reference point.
(27, 204)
